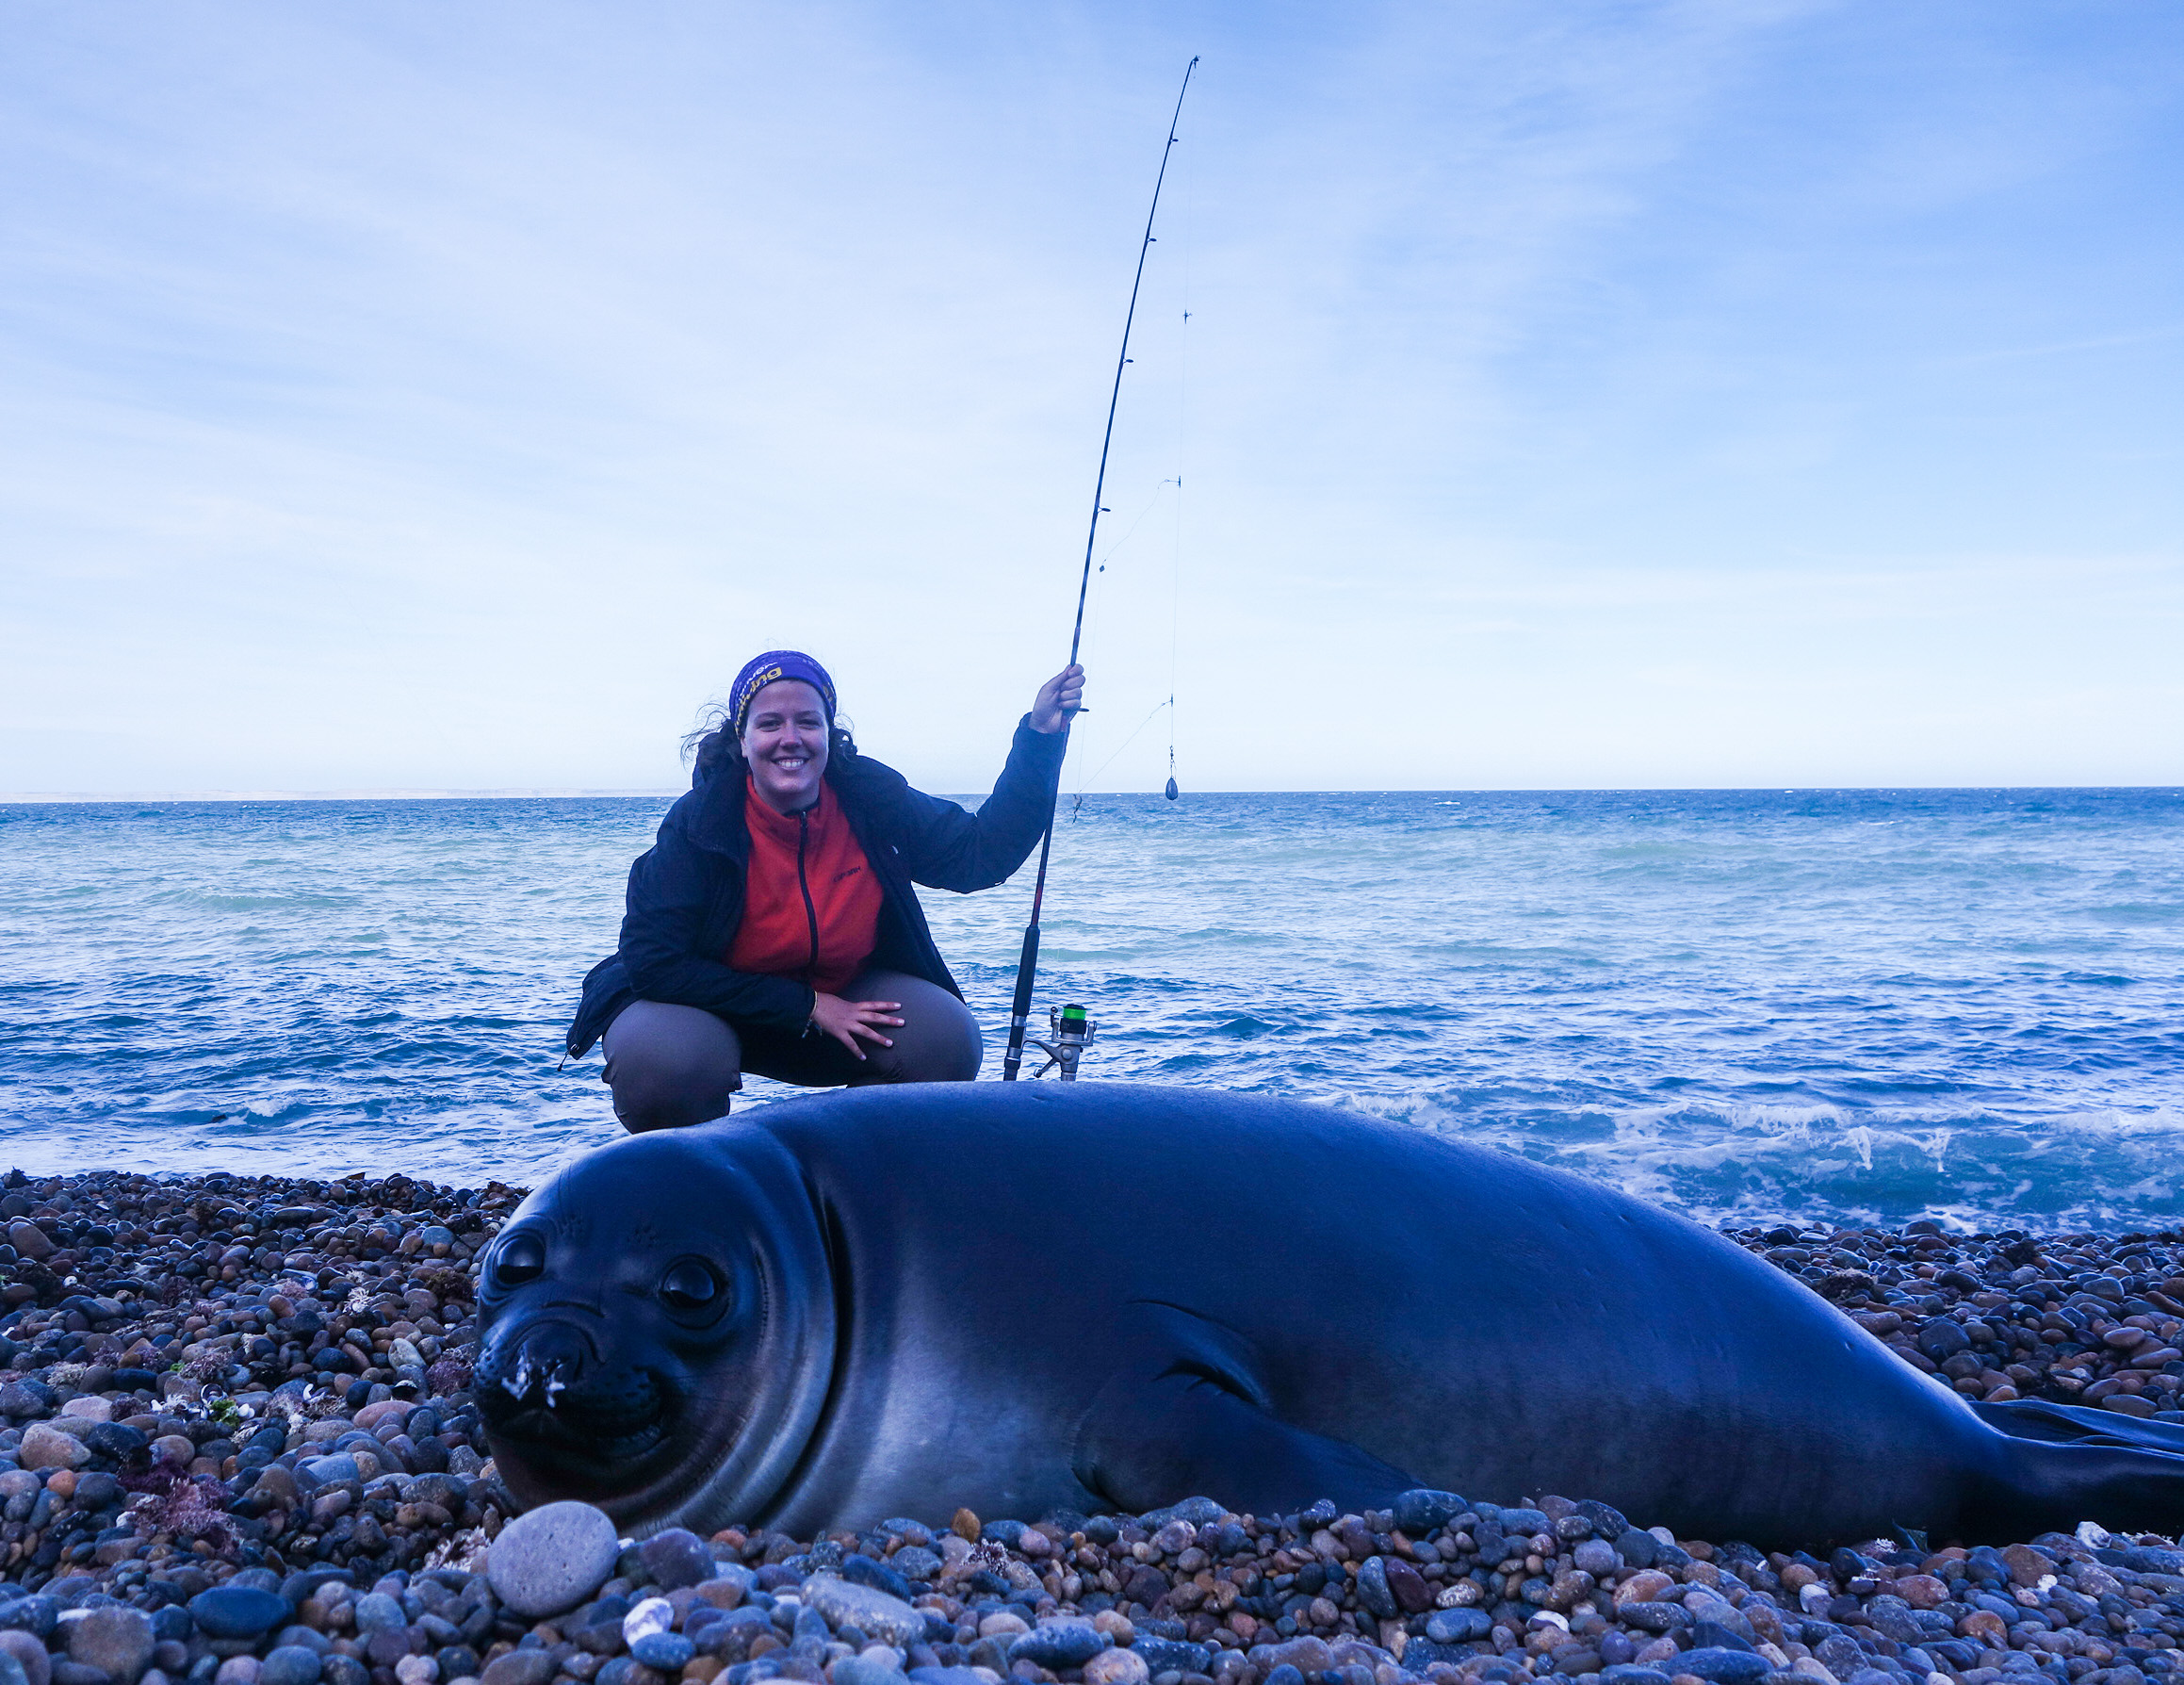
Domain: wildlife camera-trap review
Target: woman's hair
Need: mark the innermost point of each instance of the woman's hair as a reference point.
(714, 746)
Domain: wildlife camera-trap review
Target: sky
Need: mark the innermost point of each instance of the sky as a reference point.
(1767, 392)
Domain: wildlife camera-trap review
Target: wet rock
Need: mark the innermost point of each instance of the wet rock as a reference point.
(866, 1570)
(30, 1240)
(28, 1654)
(1723, 1666)
(115, 1640)
(1117, 1667)
(289, 1665)
(873, 1612)
(1164, 1654)
(238, 1611)
(1595, 1557)
(1408, 1587)
(2027, 1565)
(1457, 1625)
(675, 1558)
(550, 1558)
(523, 1667)
(1423, 1511)
(1060, 1644)
(36, 1614)
(648, 1618)
(376, 1611)
(915, 1562)
(667, 1652)
(47, 1447)
(1373, 1591)
(869, 1667)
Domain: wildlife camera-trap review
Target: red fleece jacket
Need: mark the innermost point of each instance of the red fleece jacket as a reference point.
(811, 904)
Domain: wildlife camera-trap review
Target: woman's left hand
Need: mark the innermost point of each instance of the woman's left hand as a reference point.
(1059, 701)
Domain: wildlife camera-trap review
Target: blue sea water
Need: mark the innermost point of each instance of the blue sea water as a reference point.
(1861, 1005)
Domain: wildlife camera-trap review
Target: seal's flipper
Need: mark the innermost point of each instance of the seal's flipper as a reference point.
(1189, 1413)
(2059, 1464)
(2074, 1424)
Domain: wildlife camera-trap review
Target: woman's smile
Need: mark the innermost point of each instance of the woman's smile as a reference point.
(785, 743)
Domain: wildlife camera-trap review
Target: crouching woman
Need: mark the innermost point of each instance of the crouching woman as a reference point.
(772, 927)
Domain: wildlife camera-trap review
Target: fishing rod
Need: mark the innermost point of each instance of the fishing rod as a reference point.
(1028, 962)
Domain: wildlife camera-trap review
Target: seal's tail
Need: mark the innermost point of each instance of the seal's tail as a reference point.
(2074, 1424)
(2064, 1465)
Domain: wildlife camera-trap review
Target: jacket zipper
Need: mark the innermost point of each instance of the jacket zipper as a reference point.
(810, 912)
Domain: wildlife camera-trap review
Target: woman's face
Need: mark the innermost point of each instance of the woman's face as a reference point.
(784, 740)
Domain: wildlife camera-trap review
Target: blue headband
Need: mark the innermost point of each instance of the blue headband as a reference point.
(763, 670)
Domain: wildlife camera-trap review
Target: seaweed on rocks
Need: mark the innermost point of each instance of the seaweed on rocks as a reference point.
(241, 1450)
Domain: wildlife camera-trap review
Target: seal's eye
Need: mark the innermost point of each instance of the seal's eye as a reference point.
(522, 1259)
(688, 1285)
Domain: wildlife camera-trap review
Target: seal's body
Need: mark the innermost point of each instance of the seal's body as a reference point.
(893, 1301)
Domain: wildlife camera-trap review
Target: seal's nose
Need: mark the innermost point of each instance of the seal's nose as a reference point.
(552, 1358)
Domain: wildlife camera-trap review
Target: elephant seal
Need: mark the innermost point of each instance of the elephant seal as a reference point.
(1030, 1299)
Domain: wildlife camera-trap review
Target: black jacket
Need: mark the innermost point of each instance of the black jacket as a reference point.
(685, 893)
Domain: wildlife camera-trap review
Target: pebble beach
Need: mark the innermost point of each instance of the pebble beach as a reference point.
(241, 1449)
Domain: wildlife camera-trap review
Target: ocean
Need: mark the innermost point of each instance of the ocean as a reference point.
(1864, 1006)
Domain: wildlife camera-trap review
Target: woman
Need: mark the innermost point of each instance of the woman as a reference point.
(772, 927)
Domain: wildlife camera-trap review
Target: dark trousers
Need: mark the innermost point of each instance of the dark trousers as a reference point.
(669, 1066)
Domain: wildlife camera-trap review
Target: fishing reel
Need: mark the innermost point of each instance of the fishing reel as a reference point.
(1072, 1034)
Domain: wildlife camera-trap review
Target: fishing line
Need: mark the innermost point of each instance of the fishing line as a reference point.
(1087, 784)
(1027, 961)
(1099, 609)
(1182, 408)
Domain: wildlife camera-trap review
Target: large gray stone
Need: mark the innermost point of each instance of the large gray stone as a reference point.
(47, 1447)
(115, 1638)
(873, 1612)
(552, 1558)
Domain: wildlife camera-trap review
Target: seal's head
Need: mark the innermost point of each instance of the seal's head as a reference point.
(659, 1330)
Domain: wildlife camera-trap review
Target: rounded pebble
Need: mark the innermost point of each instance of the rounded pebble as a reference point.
(28, 1654)
(1117, 1667)
(237, 1611)
(115, 1640)
(1059, 1643)
(666, 1651)
(653, 1615)
(870, 1611)
(289, 1665)
(552, 1558)
(675, 1558)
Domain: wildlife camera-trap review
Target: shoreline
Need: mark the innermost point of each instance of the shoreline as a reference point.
(238, 1398)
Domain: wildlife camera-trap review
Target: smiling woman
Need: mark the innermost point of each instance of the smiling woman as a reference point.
(773, 926)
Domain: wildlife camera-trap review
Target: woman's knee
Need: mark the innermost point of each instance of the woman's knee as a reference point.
(940, 1041)
(670, 1066)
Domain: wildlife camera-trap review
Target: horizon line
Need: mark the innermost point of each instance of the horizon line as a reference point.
(213, 797)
